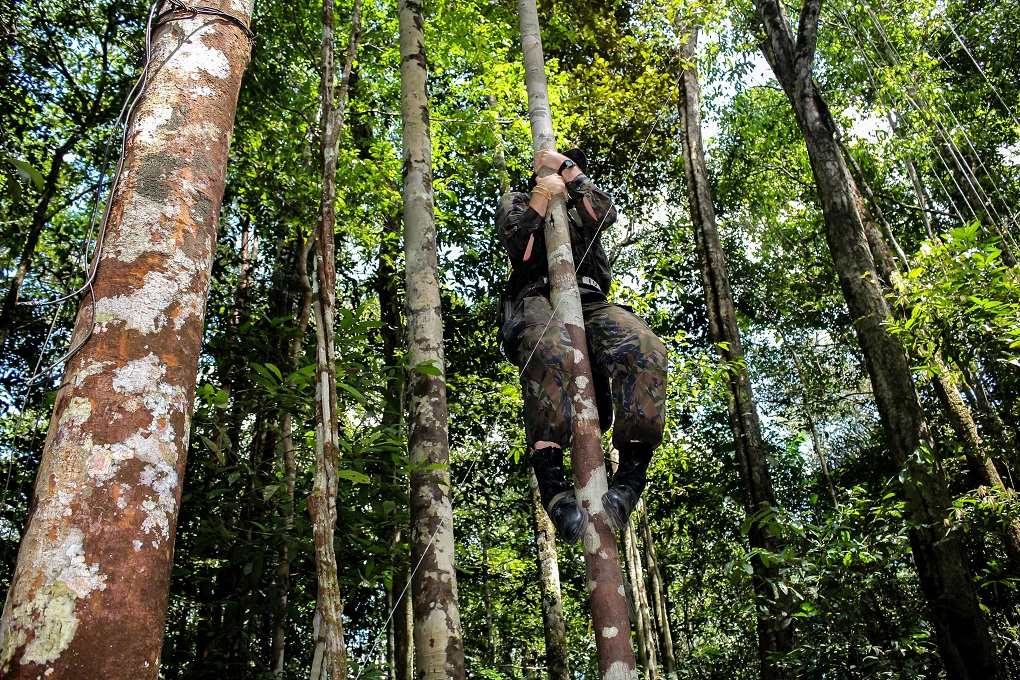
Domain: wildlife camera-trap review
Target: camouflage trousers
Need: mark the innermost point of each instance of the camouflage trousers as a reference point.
(623, 351)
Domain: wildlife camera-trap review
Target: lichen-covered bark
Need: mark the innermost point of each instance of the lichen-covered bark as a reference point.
(438, 643)
(775, 635)
(601, 554)
(966, 645)
(329, 659)
(89, 593)
(554, 624)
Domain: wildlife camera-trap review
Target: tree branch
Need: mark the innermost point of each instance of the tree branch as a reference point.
(807, 38)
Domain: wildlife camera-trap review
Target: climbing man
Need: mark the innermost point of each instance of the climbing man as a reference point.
(628, 361)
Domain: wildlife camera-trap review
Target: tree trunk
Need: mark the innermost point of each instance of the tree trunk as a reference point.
(554, 623)
(438, 643)
(329, 660)
(279, 641)
(965, 642)
(601, 554)
(775, 634)
(647, 641)
(89, 594)
(657, 590)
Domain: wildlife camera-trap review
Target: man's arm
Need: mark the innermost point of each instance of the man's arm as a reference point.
(520, 216)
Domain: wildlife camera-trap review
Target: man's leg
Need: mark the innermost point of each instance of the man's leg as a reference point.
(624, 346)
(547, 369)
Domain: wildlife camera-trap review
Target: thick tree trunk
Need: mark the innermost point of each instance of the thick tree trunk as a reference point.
(658, 591)
(965, 642)
(89, 593)
(601, 554)
(438, 643)
(554, 624)
(329, 661)
(775, 634)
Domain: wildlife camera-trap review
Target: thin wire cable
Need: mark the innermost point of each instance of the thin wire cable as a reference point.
(959, 39)
(958, 157)
(520, 373)
(869, 63)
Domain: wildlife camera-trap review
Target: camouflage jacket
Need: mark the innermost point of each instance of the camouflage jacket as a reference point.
(516, 222)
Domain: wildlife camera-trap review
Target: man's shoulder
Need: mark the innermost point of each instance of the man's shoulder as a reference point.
(509, 203)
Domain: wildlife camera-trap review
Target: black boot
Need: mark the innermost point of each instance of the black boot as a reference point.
(557, 495)
(628, 483)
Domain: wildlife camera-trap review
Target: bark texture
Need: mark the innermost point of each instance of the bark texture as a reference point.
(438, 642)
(329, 661)
(775, 634)
(601, 554)
(657, 592)
(554, 624)
(89, 593)
(965, 641)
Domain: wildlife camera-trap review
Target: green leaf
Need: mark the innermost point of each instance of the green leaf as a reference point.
(27, 172)
(354, 476)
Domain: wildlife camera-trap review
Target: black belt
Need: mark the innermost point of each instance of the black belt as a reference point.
(541, 287)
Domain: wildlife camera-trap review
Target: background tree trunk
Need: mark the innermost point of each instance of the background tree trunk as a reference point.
(89, 594)
(965, 641)
(658, 592)
(553, 621)
(775, 634)
(329, 661)
(438, 643)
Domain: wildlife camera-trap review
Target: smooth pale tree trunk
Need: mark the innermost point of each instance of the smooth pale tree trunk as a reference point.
(438, 642)
(775, 634)
(89, 593)
(646, 639)
(554, 623)
(965, 641)
(658, 593)
(329, 659)
(601, 554)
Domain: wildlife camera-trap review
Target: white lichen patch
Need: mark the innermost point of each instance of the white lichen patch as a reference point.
(201, 91)
(592, 585)
(85, 372)
(623, 593)
(620, 671)
(137, 544)
(160, 509)
(591, 493)
(581, 382)
(146, 126)
(48, 609)
(194, 57)
(163, 295)
(76, 412)
(153, 232)
(610, 632)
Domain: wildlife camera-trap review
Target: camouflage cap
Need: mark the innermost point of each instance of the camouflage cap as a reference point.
(507, 204)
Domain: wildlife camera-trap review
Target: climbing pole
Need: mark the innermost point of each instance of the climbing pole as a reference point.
(601, 556)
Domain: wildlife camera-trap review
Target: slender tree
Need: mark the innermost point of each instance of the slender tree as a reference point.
(438, 642)
(965, 641)
(89, 593)
(553, 622)
(601, 553)
(330, 658)
(775, 634)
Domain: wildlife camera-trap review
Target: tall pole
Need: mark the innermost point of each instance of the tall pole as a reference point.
(89, 594)
(438, 640)
(601, 555)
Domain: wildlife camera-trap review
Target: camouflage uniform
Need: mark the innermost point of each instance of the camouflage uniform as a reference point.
(626, 357)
